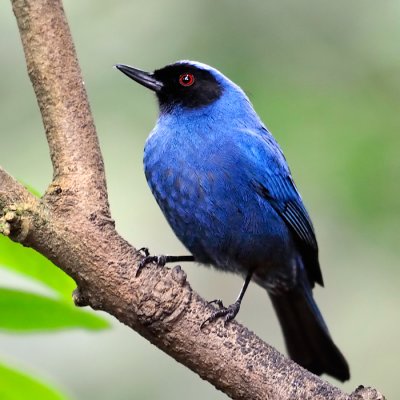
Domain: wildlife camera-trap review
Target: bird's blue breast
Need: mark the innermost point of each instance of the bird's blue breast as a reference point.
(199, 166)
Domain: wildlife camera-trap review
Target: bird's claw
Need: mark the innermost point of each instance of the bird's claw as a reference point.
(229, 313)
(160, 261)
(218, 302)
(143, 251)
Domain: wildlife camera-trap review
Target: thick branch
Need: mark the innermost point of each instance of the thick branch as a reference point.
(12, 191)
(70, 226)
(15, 200)
(61, 95)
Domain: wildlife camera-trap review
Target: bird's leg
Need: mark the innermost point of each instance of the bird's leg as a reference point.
(230, 312)
(158, 260)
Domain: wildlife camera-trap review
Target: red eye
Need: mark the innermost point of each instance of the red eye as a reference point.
(186, 79)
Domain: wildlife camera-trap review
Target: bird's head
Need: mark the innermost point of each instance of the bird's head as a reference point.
(186, 84)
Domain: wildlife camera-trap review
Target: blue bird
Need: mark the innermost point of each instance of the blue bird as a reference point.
(224, 186)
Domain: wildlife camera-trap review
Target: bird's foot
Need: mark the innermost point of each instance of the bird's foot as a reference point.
(229, 313)
(160, 261)
(143, 251)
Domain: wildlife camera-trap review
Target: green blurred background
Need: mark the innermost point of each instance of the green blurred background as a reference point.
(324, 77)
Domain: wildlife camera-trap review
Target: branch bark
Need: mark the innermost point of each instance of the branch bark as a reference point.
(72, 226)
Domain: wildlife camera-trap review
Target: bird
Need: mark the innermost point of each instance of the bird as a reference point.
(225, 188)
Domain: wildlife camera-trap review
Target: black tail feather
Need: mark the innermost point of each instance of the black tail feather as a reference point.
(306, 335)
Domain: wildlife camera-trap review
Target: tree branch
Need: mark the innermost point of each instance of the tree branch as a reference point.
(71, 225)
(12, 191)
(56, 78)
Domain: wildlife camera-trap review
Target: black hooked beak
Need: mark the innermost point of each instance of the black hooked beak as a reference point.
(144, 78)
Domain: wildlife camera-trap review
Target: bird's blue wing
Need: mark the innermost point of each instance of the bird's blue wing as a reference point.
(281, 192)
(271, 177)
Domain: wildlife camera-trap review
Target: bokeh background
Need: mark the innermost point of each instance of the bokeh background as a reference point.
(324, 77)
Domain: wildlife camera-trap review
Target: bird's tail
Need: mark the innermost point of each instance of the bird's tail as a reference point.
(307, 338)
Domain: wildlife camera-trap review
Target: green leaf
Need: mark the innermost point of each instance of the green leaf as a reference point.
(23, 311)
(15, 385)
(29, 262)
